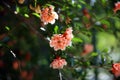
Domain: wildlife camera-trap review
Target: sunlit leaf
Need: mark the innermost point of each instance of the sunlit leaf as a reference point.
(79, 6)
(103, 1)
(56, 29)
(7, 28)
(36, 14)
(26, 15)
(105, 50)
(105, 22)
(75, 39)
(94, 54)
(81, 1)
(17, 9)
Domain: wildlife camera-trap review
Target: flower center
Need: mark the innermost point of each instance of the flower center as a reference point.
(58, 41)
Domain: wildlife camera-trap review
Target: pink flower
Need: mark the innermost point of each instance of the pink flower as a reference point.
(48, 15)
(58, 42)
(58, 63)
(116, 69)
(61, 41)
(68, 35)
(117, 7)
(88, 48)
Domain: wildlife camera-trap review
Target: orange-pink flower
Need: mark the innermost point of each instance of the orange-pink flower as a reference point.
(68, 36)
(58, 42)
(58, 63)
(61, 41)
(48, 15)
(117, 7)
(68, 33)
(116, 69)
(88, 48)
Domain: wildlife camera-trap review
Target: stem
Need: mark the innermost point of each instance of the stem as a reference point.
(35, 3)
(60, 75)
(96, 74)
(13, 53)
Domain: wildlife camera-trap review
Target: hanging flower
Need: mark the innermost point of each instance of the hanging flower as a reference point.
(58, 42)
(116, 69)
(48, 15)
(58, 63)
(61, 41)
(117, 7)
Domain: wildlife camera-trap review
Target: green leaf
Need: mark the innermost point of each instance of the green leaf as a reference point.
(36, 14)
(103, 1)
(94, 54)
(56, 29)
(87, 63)
(7, 28)
(103, 58)
(17, 9)
(26, 15)
(75, 39)
(0, 44)
(105, 50)
(83, 2)
(85, 19)
(105, 22)
(79, 6)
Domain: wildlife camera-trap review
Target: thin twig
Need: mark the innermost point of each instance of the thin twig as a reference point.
(60, 75)
(13, 53)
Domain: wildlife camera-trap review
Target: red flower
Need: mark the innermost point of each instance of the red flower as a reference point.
(86, 13)
(58, 63)
(15, 65)
(116, 69)
(117, 7)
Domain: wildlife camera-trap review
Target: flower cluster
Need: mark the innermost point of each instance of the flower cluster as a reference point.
(116, 69)
(117, 7)
(58, 63)
(48, 15)
(61, 41)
